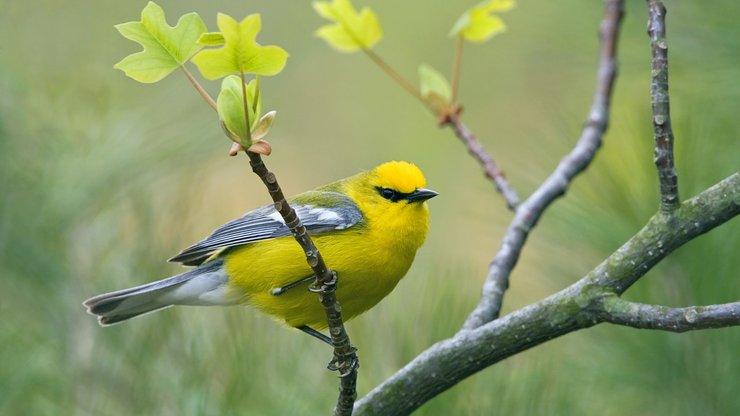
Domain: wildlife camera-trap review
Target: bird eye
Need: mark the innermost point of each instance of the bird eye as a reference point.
(389, 194)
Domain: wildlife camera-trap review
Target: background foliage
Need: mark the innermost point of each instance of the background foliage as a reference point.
(102, 179)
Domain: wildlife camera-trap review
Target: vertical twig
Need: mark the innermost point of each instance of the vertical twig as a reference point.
(664, 160)
(530, 211)
(345, 358)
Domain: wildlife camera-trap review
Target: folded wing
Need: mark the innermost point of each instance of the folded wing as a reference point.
(320, 212)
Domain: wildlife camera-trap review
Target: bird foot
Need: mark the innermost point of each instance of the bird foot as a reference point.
(345, 363)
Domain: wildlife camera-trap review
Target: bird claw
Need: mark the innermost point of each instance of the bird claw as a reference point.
(344, 364)
(325, 286)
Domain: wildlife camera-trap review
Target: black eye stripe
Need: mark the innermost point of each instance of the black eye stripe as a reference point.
(391, 194)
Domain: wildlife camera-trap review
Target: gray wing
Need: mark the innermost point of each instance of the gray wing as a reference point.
(266, 223)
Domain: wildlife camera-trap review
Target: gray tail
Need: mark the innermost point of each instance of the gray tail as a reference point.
(205, 285)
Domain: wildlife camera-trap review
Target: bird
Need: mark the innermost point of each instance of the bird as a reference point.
(368, 228)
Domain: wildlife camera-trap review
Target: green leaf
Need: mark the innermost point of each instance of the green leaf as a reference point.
(211, 39)
(435, 89)
(165, 48)
(240, 52)
(351, 31)
(432, 82)
(230, 105)
(263, 126)
(479, 23)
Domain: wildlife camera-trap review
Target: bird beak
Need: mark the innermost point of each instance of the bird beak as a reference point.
(421, 195)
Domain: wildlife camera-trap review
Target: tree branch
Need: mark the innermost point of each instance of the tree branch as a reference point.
(475, 148)
(345, 359)
(665, 233)
(638, 315)
(576, 307)
(529, 212)
(659, 98)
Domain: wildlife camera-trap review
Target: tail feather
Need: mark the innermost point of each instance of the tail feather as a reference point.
(205, 285)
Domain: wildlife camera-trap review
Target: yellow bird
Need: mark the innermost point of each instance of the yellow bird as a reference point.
(368, 227)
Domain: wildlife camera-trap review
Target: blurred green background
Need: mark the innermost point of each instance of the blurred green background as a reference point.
(102, 179)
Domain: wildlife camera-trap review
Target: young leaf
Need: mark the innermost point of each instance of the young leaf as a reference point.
(435, 89)
(432, 82)
(263, 126)
(261, 147)
(165, 48)
(479, 23)
(230, 105)
(235, 148)
(351, 31)
(240, 52)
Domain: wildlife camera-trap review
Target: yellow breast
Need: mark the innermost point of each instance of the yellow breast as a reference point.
(369, 259)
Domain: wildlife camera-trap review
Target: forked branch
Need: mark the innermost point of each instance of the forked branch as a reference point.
(530, 211)
(578, 306)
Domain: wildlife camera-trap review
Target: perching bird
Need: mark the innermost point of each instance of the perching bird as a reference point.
(367, 227)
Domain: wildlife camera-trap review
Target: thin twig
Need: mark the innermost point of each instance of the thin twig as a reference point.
(575, 307)
(638, 315)
(475, 148)
(203, 93)
(345, 358)
(664, 161)
(530, 211)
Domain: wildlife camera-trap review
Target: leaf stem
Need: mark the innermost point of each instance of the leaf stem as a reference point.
(246, 109)
(456, 68)
(256, 94)
(393, 74)
(203, 93)
(382, 64)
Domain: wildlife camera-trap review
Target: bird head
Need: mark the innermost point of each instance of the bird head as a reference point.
(392, 196)
(399, 183)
